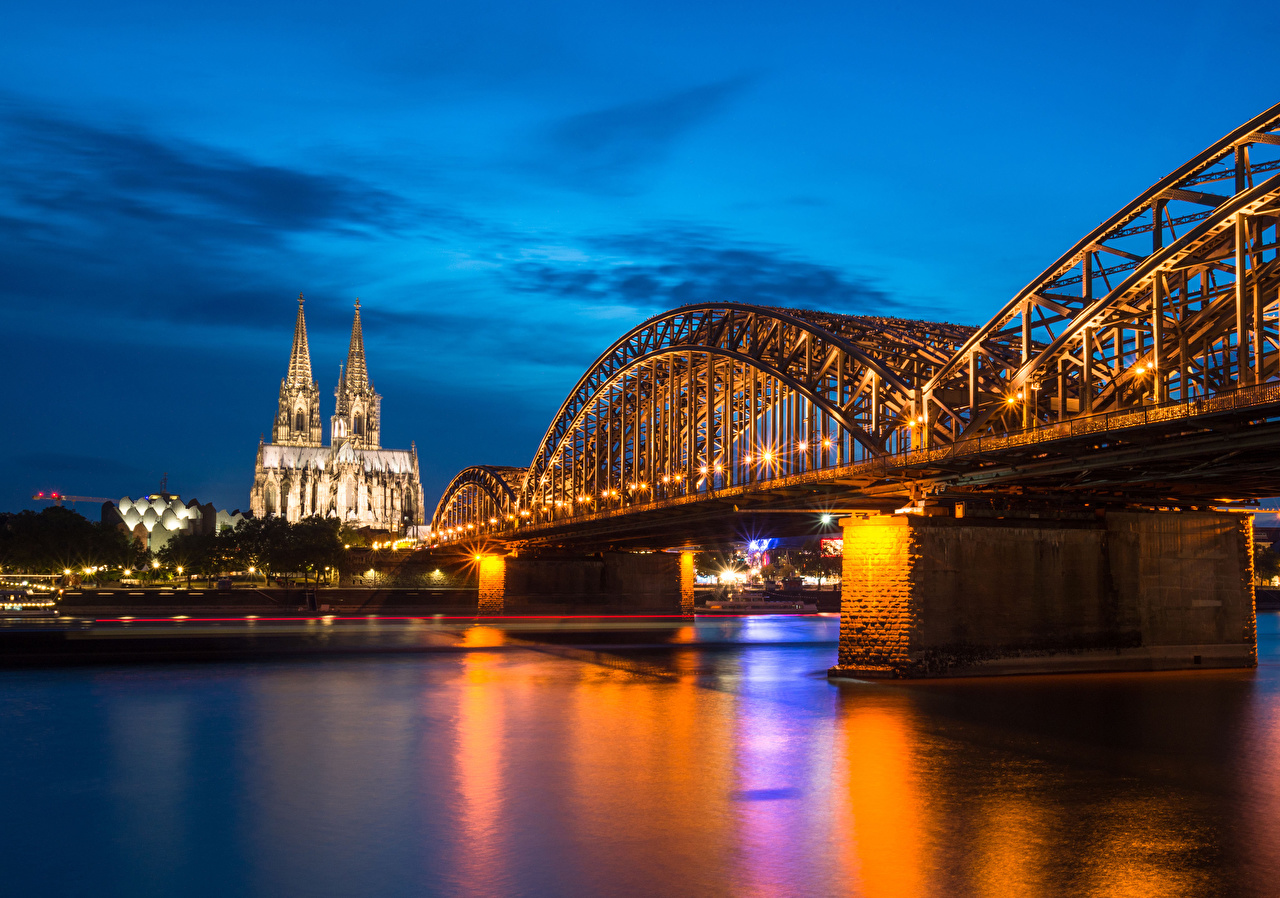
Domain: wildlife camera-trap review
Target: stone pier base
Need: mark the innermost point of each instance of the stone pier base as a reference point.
(605, 583)
(941, 596)
(688, 578)
(493, 584)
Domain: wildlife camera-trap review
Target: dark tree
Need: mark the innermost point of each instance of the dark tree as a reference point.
(58, 539)
(278, 547)
(1266, 562)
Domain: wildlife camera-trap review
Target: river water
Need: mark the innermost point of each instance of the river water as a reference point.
(717, 760)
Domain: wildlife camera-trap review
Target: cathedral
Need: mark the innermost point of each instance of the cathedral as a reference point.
(353, 478)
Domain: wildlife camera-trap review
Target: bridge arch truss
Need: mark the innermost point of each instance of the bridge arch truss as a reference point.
(1171, 299)
(482, 496)
(710, 396)
(1174, 298)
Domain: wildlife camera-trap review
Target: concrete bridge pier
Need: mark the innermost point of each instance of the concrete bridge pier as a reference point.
(601, 583)
(1120, 590)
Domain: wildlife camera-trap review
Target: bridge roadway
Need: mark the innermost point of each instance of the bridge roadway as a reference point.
(1138, 374)
(1185, 455)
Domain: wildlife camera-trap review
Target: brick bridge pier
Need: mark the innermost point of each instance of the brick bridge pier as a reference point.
(637, 582)
(1115, 590)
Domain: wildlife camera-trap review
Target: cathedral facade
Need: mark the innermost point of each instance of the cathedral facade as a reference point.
(352, 478)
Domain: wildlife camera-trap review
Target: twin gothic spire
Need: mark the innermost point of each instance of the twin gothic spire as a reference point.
(358, 406)
(356, 373)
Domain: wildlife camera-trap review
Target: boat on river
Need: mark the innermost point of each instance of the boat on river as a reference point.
(757, 601)
(18, 601)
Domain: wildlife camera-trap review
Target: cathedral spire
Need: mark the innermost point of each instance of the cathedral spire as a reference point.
(300, 358)
(357, 411)
(298, 414)
(357, 377)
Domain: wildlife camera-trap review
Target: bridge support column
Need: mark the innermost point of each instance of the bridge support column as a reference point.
(688, 577)
(554, 582)
(493, 584)
(941, 596)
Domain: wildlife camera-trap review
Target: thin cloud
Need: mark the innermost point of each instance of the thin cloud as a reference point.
(172, 230)
(601, 150)
(62, 167)
(667, 267)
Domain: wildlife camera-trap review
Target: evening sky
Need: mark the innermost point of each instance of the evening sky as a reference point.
(508, 187)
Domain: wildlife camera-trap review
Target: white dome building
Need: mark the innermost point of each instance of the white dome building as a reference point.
(156, 518)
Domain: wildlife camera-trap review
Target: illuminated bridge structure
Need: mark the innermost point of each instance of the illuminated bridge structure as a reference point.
(1144, 361)
(1079, 445)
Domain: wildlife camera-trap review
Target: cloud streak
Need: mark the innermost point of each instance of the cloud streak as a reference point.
(604, 149)
(64, 168)
(666, 267)
(172, 230)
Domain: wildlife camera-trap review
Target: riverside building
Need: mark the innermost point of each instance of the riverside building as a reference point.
(352, 478)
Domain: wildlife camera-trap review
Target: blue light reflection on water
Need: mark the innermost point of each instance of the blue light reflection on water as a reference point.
(702, 769)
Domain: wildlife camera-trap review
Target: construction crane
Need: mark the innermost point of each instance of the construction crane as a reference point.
(60, 498)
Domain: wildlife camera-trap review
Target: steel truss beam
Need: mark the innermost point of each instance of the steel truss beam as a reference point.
(1189, 312)
(482, 496)
(1174, 299)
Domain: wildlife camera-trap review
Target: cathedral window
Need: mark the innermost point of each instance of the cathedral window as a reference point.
(269, 499)
(358, 427)
(299, 421)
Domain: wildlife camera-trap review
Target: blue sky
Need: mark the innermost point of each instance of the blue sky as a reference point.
(508, 187)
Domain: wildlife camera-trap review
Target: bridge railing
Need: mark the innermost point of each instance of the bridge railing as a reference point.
(1107, 422)
(1102, 423)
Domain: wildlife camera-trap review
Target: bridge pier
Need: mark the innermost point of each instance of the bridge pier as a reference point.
(492, 577)
(566, 583)
(1127, 590)
(688, 578)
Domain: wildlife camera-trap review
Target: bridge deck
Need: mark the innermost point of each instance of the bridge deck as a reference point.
(1186, 453)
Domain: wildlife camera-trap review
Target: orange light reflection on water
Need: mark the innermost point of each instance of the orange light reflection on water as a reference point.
(483, 637)
(663, 738)
(479, 759)
(883, 813)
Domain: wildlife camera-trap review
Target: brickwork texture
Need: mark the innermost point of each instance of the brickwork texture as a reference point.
(929, 596)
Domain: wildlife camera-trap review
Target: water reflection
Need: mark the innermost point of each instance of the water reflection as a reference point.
(880, 800)
(717, 762)
(479, 761)
(153, 785)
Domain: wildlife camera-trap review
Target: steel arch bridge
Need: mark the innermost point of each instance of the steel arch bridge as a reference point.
(1167, 307)
(479, 496)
